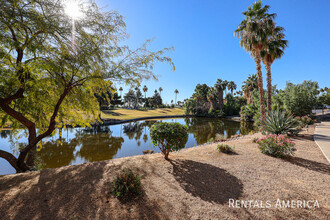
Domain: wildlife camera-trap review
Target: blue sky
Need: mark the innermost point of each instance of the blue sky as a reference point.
(201, 31)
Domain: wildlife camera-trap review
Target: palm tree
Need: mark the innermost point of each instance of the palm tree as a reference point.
(225, 86)
(250, 84)
(274, 50)
(253, 32)
(121, 93)
(160, 91)
(220, 87)
(145, 90)
(232, 86)
(176, 94)
(212, 96)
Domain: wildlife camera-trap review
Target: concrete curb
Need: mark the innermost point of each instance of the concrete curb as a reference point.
(316, 138)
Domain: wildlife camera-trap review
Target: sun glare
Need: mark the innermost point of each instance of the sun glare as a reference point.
(72, 8)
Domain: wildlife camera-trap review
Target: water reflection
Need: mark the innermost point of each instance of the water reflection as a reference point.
(93, 144)
(79, 145)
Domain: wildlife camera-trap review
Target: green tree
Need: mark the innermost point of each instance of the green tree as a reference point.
(50, 70)
(253, 32)
(200, 94)
(115, 99)
(300, 99)
(157, 99)
(169, 136)
(129, 98)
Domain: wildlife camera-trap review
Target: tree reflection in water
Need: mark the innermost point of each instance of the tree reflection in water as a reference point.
(96, 143)
(204, 129)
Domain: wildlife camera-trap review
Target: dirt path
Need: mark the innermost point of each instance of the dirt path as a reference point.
(196, 184)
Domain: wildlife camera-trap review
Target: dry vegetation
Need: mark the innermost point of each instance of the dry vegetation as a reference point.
(196, 183)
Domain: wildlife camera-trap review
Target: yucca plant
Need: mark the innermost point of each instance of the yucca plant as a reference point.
(278, 122)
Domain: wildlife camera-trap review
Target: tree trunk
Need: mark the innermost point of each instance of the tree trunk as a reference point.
(31, 157)
(260, 86)
(166, 153)
(11, 160)
(220, 99)
(269, 88)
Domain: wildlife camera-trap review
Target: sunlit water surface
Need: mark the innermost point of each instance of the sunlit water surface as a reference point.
(72, 146)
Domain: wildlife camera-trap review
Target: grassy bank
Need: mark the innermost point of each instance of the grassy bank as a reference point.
(126, 114)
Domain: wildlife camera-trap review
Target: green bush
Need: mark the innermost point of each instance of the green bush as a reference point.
(224, 148)
(126, 185)
(248, 112)
(276, 145)
(279, 123)
(169, 136)
(305, 120)
(300, 99)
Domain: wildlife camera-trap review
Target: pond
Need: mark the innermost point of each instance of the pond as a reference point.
(72, 146)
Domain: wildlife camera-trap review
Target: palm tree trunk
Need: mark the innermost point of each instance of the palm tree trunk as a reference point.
(269, 88)
(220, 99)
(260, 86)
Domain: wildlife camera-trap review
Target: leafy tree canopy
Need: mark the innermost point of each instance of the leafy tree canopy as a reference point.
(49, 71)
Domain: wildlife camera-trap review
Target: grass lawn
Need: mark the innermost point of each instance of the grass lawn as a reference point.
(125, 114)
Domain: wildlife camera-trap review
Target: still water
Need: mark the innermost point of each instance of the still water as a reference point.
(79, 145)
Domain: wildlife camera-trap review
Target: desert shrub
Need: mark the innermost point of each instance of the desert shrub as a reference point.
(169, 136)
(126, 185)
(276, 145)
(224, 148)
(278, 122)
(306, 120)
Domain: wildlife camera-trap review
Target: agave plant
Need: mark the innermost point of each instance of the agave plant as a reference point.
(278, 122)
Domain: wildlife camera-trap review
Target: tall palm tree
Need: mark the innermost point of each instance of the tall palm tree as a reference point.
(220, 87)
(145, 90)
(160, 91)
(121, 93)
(225, 84)
(253, 32)
(250, 84)
(274, 50)
(232, 86)
(212, 96)
(176, 94)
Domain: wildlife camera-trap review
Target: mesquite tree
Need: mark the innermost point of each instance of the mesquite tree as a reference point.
(50, 69)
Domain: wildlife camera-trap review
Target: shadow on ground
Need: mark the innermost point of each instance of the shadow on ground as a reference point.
(207, 182)
(74, 193)
(311, 165)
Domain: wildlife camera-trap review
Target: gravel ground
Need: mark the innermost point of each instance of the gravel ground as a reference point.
(197, 183)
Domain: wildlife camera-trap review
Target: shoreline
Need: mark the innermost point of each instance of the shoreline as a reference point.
(115, 121)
